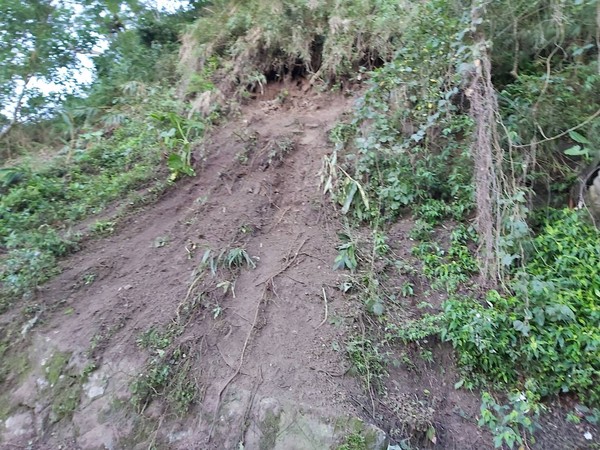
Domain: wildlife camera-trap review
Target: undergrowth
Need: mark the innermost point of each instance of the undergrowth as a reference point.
(543, 334)
(404, 147)
(41, 204)
(171, 374)
(407, 150)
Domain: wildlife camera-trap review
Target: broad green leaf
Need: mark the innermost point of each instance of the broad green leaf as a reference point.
(175, 162)
(579, 138)
(576, 150)
(349, 198)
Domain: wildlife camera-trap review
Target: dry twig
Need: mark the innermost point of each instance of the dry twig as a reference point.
(290, 261)
(326, 307)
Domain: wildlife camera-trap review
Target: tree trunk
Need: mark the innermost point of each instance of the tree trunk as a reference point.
(17, 111)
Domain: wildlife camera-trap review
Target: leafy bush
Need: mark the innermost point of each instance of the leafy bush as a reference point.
(408, 145)
(548, 330)
(509, 423)
(452, 268)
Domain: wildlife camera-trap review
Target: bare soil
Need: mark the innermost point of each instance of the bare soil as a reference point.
(267, 356)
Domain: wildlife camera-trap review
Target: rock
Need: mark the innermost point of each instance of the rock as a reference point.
(95, 386)
(155, 410)
(176, 436)
(378, 439)
(95, 391)
(98, 438)
(27, 393)
(593, 197)
(19, 427)
(268, 407)
(286, 426)
(42, 383)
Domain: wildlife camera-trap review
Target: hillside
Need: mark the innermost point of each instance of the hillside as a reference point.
(295, 225)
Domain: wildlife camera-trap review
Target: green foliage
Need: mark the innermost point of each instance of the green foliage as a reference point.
(548, 82)
(548, 331)
(355, 441)
(414, 331)
(582, 148)
(103, 227)
(452, 268)
(238, 257)
(44, 41)
(367, 361)
(407, 143)
(202, 81)
(155, 339)
(346, 258)
(510, 424)
(39, 205)
(142, 52)
(65, 385)
(39, 42)
(168, 375)
(533, 103)
(407, 150)
(232, 259)
(179, 139)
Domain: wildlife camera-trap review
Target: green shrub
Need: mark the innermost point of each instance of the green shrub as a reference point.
(408, 144)
(548, 329)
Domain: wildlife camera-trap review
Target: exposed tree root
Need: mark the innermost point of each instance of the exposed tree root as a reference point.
(290, 260)
(240, 364)
(487, 155)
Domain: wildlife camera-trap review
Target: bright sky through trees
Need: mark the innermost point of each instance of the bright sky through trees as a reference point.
(48, 49)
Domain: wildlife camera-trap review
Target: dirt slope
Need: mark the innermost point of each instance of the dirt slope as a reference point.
(221, 294)
(257, 189)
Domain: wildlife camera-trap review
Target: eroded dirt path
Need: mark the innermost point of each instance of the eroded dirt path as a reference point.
(266, 362)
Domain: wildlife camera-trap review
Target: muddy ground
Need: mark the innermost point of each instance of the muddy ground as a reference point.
(254, 340)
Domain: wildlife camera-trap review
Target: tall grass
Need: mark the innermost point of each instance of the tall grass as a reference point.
(259, 39)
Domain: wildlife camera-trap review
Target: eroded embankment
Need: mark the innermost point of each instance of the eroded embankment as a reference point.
(216, 351)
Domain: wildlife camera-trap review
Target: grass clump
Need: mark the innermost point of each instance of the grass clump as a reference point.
(355, 441)
(169, 373)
